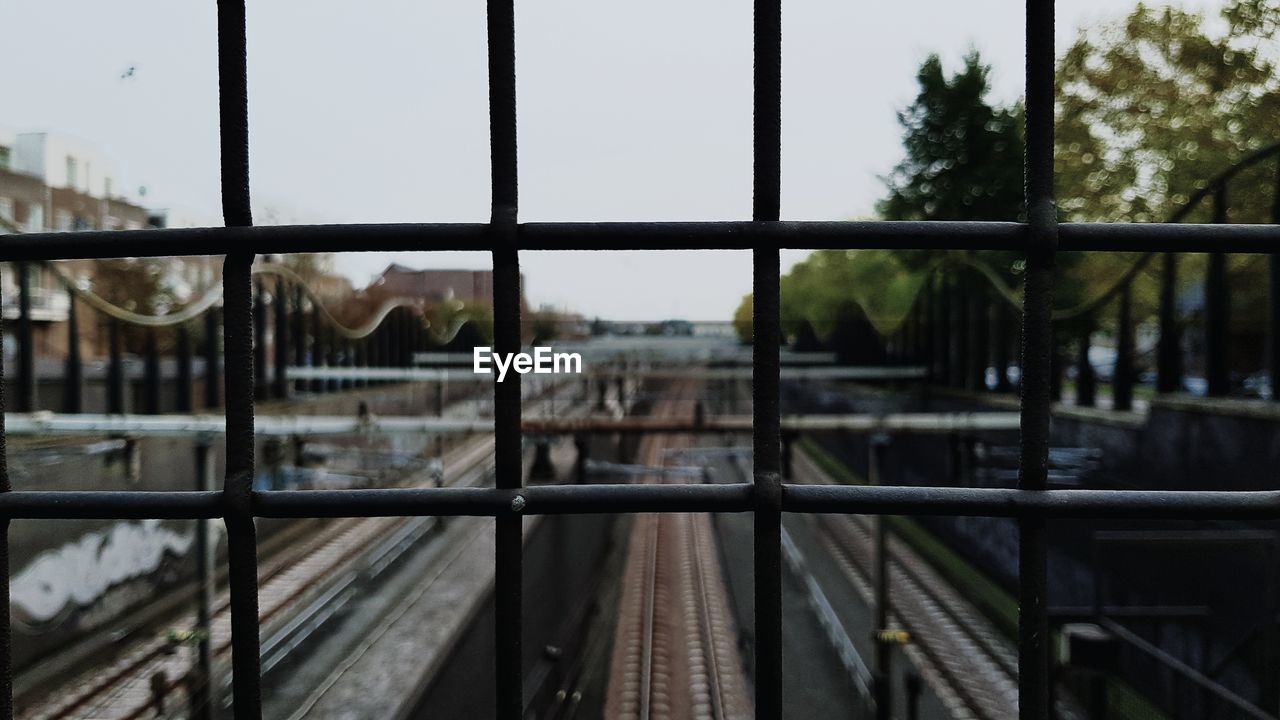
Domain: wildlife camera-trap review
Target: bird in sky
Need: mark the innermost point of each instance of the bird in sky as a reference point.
(128, 73)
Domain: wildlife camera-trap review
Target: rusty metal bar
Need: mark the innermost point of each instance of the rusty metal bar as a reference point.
(1037, 346)
(586, 499)
(6, 617)
(73, 391)
(26, 341)
(183, 390)
(767, 338)
(1217, 309)
(1123, 375)
(508, 546)
(115, 369)
(732, 235)
(151, 374)
(280, 386)
(435, 374)
(212, 361)
(237, 332)
(291, 425)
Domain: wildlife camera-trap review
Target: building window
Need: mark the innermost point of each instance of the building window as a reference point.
(71, 171)
(62, 220)
(6, 208)
(5, 154)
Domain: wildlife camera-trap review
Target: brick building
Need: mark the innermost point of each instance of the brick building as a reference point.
(51, 182)
(435, 286)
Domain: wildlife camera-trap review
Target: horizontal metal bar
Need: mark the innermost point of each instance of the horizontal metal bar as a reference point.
(595, 354)
(280, 425)
(302, 425)
(625, 498)
(1002, 502)
(902, 423)
(1186, 538)
(1168, 237)
(734, 235)
(387, 374)
(416, 374)
(1140, 612)
(111, 505)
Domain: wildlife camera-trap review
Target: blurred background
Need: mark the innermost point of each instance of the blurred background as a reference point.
(1165, 365)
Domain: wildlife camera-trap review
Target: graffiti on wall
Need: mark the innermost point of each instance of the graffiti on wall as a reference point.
(79, 573)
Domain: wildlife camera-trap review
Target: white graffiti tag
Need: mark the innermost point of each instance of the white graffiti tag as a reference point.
(80, 572)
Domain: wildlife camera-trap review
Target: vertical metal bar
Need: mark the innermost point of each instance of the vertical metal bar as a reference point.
(1274, 305)
(212, 359)
(115, 369)
(362, 360)
(914, 687)
(884, 649)
(960, 332)
(980, 345)
(945, 320)
(26, 342)
(182, 390)
(259, 342)
(766, 318)
(1037, 345)
(203, 700)
(919, 321)
(6, 621)
(281, 339)
(406, 342)
(73, 387)
(941, 343)
(1122, 376)
(331, 357)
(1169, 348)
(237, 328)
(392, 324)
(151, 375)
(348, 361)
(1000, 329)
(299, 335)
(508, 546)
(384, 346)
(1217, 308)
(1086, 383)
(318, 352)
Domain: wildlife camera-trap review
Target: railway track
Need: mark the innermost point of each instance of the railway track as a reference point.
(675, 652)
(127, 687)
(971, 666)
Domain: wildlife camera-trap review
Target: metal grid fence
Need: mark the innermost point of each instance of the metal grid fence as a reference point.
(767, 497)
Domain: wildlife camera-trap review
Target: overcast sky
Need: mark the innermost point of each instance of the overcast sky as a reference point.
(377, 112)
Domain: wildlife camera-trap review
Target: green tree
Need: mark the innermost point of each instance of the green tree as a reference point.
(1150, 108)
(963, 162)
(1154, 105)
(963, 155)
